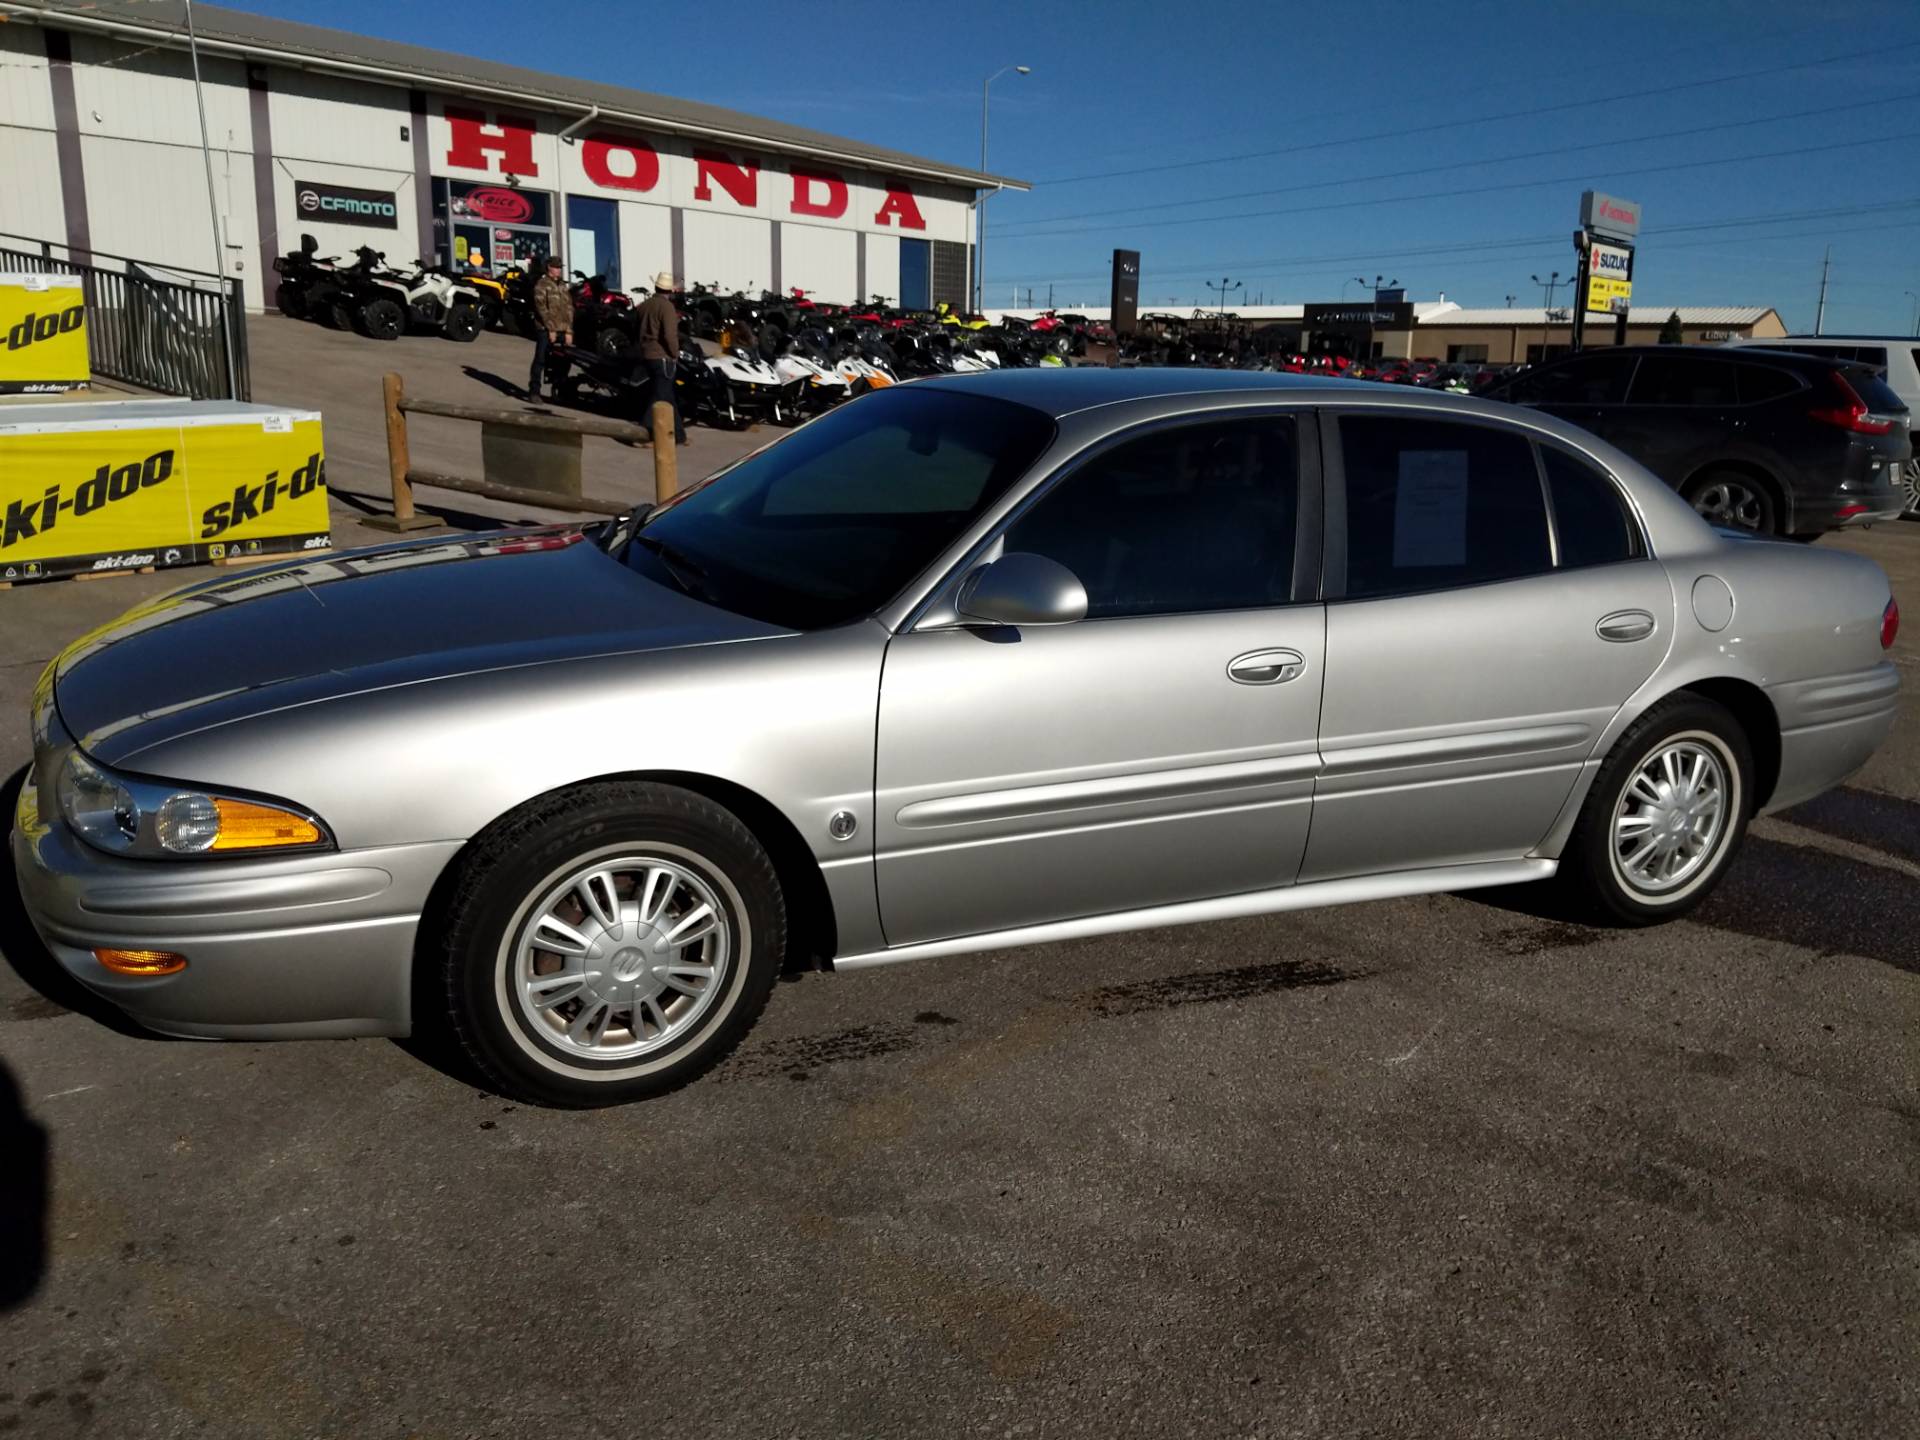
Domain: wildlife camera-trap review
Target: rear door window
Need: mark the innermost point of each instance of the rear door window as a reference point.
(1760, 383)
(1590, 516)
(1434, 504)
(1684, 380)
(1872, 388)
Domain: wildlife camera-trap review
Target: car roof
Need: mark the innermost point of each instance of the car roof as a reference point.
(1065, 390)
(1732, 354)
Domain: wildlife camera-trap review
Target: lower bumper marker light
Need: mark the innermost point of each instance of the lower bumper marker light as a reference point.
(141, 962)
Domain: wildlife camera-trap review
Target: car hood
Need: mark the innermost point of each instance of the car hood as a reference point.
(363, 620)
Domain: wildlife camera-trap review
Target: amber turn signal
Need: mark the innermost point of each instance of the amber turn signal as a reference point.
(141, 962)
(246, 826)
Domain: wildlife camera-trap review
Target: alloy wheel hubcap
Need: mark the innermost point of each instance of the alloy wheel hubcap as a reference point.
(1729, 502)
(621, 957)
(1910, 482)
(1671, 817)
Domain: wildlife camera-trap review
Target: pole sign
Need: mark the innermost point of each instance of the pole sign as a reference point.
(345, 205)
(43, 334)
(1609, 278)
(1124, 314)
(1609, 215)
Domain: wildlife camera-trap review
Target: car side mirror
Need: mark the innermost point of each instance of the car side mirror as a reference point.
(1022, 589)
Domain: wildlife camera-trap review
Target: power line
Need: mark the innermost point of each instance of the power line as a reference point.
(1877, 52)
(1475, 190)
(1690, 130)
(1736, 222)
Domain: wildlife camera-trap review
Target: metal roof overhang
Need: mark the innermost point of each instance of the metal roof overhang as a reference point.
(100, 20)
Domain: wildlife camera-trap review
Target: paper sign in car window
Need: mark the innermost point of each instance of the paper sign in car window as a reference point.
(1430, 510)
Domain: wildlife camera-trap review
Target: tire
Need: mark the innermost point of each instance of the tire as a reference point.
(336, 315)
(490, 314)
(531, 873)
(610, 341)
(462, 323)
(292, 301)
(1597, 874)
(381, 319)
(1910, 483)
(1734, 499)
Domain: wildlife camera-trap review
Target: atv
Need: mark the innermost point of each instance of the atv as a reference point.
(603, 318)
(384, 302)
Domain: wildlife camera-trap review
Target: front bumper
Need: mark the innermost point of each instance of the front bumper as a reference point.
(313, 946)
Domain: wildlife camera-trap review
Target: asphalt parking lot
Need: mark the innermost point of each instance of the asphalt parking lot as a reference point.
(1432, 1166)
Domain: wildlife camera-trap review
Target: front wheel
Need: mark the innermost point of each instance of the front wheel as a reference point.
(610, 942)
(462, 323)
(381, 319)
(1665, 816)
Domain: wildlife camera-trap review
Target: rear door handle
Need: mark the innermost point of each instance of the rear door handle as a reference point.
(1266, 667)
(1624, 625)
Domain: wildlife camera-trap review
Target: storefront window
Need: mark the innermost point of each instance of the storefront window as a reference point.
(491, 226)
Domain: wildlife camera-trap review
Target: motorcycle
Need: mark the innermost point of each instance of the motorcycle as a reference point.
(603, 318)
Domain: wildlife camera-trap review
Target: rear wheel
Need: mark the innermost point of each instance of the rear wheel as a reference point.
(611, 942)
(1910, 483)
(337, 314)
(382, 319)
(1665, 816)
(1734, 499)
(292, 301)
(462, 323)
(611, 341)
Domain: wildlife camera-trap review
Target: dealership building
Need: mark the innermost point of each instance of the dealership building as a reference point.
(421, 153)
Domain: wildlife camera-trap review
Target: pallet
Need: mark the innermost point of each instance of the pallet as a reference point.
(227, 561)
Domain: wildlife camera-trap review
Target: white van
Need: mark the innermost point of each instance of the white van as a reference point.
(1895, 356)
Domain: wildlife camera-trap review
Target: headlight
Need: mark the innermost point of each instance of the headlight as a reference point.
(127, 815)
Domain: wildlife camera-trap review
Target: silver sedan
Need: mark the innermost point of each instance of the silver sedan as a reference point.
(967, 664)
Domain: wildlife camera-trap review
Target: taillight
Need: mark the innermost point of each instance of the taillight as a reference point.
(1848, 410)
(1889, 623)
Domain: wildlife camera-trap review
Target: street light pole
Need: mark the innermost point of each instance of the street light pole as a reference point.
(980, 209)
(1916, 311)
(1225, 287)
(1550, 284)
(213, 211)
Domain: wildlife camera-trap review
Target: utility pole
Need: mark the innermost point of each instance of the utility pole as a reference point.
(1820, 311)
(1916, 311)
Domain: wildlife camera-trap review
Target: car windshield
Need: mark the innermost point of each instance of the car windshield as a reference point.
(827, 525)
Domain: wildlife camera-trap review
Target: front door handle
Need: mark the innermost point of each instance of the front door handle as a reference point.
(1266, 667)
(1624, 625)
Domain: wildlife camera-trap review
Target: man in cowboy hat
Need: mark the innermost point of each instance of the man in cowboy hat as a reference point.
(552, 320)
(659, 322)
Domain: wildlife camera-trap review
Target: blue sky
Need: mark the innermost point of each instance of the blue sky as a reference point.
(1442, 145)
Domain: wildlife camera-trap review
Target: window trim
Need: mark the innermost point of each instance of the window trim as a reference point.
(935, 610)
(1334, 486)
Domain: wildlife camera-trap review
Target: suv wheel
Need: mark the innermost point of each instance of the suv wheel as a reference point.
(1910, 483)
(609, 943)
(1733, 499)
(1666, 814)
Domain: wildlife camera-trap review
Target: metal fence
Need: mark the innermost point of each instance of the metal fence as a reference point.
(167, 332)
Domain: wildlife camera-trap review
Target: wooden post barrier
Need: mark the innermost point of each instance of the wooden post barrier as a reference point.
(666, 460)
(403, 476)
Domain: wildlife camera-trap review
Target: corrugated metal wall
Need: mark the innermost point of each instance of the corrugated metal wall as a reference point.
(646, 243)
(883, 266)
(729, 252)
(819, 261)
(29, 159)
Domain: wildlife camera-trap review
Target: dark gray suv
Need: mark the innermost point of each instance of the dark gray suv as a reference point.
(1781, 443)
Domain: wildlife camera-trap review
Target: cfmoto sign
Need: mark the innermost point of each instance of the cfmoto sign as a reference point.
(344, 205)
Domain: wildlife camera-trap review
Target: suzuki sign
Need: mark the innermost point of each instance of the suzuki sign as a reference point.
(1609, 278)
(1609, 215)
